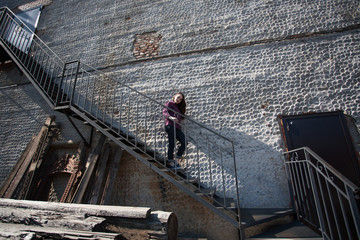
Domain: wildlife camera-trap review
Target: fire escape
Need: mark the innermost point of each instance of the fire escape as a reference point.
(323, 198)
(129, 118)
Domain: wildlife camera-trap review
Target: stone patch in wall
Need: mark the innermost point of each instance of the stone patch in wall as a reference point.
(32, 4)
(146, 45)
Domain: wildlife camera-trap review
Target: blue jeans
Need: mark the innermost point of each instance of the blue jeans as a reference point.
(180, 137)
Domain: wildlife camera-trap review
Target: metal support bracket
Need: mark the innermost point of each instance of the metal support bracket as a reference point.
(88, 143)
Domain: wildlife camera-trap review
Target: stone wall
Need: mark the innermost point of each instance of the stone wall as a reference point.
(240, 64)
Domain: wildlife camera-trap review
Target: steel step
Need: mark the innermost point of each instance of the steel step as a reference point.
(294, 230)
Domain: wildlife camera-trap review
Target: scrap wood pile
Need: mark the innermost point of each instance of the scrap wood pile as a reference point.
(65, 176)
(24, 219)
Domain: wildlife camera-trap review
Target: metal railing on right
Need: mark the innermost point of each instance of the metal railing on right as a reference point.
(323, 197)
(127, 115)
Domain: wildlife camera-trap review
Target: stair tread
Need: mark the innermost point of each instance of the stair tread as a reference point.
(293, 230)
(253, 216)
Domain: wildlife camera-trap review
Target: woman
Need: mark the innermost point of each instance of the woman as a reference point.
(173, 118)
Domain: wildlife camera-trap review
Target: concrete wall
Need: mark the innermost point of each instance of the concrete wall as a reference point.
(240, 64)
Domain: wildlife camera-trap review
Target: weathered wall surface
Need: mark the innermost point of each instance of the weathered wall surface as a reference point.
(137, 185)
(240, 64)
(22, 114)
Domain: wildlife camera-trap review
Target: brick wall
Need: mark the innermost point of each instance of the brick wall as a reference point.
(155, 192)
(240, 64)
(22, 114)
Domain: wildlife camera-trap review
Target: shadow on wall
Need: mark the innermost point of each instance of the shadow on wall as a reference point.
(260, 170)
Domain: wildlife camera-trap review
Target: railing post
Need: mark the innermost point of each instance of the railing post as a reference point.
(60, 84)
(75, 80)
(3, 14)
(354, 199)
(241, 231)
(315, 194)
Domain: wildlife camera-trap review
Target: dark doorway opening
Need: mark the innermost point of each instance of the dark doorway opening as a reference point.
(327, 134)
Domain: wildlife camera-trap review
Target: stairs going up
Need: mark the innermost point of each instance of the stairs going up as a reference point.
(294, 230)
(275, 224)
(129, 118)
(135, 122)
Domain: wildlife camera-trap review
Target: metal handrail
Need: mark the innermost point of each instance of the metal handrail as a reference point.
(323, 197)
(125, 112)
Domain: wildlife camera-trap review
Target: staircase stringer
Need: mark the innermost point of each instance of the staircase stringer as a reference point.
(57, 83)
(29, 77)
(158, 170)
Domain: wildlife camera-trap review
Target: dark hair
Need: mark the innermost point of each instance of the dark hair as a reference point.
(182, 104)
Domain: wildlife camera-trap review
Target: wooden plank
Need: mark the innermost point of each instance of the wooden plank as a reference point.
(19, 231)
(89, 171)
(9, 182)
(37, 159)
(83, 209)
(110, 180)
(28, 159)
(54, 217)
(99, 177)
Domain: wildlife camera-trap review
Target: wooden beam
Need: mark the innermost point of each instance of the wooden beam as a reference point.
(100, 174)
(83, 209)
(90, 166)
(28, 157)
(110, 179)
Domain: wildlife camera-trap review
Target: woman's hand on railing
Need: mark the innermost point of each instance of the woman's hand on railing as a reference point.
(174, 119)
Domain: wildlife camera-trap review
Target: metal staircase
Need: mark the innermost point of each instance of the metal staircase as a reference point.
(129, 118)
(325, 200)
